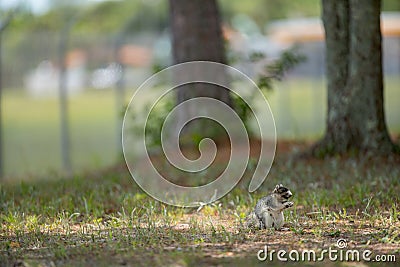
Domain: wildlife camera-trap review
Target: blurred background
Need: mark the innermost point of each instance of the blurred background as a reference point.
(69, 68)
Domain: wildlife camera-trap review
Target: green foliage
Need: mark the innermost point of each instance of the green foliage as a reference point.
(243, 111)
(390, 5)
(160, 112)
(264, 11)
(127, 16)
(155, 122)
(157, 67)
(273, 71)
(100, 18)
(276, 70)
(111, 16)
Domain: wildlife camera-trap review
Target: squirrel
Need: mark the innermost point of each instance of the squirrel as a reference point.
(268, 212)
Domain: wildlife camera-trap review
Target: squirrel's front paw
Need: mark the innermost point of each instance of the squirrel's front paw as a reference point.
(288, 204)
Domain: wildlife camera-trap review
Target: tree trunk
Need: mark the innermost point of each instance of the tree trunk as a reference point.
(197, 36)
(355, 120)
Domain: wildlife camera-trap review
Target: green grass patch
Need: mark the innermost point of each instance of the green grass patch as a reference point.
(105, 219)
(32, 137)
(32, 133)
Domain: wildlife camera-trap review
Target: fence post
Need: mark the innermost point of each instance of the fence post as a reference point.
(3, 26)
(119, 93)
(63, 98)
(120, 85)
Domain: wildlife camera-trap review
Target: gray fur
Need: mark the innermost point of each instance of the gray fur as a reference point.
(268, 212)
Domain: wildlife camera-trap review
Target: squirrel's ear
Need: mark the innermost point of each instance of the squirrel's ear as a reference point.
(276, 188)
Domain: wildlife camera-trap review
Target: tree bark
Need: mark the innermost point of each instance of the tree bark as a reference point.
(197, 36)
(355, 120)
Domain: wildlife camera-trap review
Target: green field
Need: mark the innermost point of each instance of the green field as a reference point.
(32, 137)
(103, 218)
(106, 220)
(299, 107)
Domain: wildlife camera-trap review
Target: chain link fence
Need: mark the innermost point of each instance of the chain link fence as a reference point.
(101, 75)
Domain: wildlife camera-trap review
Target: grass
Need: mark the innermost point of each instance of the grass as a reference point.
(299, 107)
(31, 127)
(31, 134)
(104, 219)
